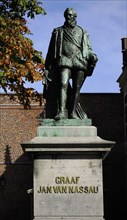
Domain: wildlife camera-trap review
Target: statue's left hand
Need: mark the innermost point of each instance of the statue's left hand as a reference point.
(95, 58)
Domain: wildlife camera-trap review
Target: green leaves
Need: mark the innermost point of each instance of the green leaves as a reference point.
(14, 8)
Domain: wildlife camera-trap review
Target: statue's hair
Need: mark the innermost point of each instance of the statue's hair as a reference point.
(70, 9)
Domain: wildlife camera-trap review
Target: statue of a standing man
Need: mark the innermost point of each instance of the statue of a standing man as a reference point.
(71, 56)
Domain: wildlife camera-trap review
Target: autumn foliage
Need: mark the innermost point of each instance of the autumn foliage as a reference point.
(19, 61)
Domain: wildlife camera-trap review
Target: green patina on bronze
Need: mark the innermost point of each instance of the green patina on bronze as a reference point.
(67, 122)
(69, 56)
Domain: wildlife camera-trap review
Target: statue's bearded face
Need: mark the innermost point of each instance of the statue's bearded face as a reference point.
(69, 17)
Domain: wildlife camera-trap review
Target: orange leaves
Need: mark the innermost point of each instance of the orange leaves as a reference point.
(19, 61)
(20, 52)
(30, 55)
(17, 52)
(7, 59)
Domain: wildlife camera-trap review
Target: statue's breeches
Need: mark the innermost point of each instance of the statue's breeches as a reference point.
(77, 62)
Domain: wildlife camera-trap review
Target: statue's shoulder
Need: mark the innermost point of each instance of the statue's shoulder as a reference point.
(83, 30)
(57, 29)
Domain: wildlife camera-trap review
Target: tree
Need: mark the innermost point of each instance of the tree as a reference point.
(19, 61)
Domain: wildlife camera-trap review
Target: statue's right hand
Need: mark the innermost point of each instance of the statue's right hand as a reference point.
(46, 74)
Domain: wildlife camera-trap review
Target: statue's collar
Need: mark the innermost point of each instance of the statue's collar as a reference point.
(72, 25)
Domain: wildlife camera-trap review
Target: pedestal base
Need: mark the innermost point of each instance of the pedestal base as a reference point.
(68, 186)
(69, 218)
(68, 181)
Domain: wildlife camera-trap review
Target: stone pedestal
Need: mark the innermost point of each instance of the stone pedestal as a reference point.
(68, 180)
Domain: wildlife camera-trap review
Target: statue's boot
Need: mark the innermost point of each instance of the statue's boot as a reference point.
(73, 114)
(62, 114)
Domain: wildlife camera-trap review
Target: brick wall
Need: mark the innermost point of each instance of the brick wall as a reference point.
(16, 125)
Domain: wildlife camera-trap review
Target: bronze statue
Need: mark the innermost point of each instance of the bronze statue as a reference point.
(69, 56)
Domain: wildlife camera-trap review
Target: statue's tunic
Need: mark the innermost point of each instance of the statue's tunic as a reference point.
(71, 53)
(69, 47)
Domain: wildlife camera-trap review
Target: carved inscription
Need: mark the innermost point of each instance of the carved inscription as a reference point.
(68, 185)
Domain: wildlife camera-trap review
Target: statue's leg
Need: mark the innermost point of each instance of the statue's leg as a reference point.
(78, 78)
(65, 74)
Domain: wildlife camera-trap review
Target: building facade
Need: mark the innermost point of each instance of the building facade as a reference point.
(122, 80)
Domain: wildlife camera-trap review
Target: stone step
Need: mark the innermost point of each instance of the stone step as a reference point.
(67, 131)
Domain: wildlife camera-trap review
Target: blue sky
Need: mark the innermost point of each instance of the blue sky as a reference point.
(106, 23)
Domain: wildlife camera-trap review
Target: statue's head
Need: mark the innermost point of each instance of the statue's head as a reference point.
(70, 14)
